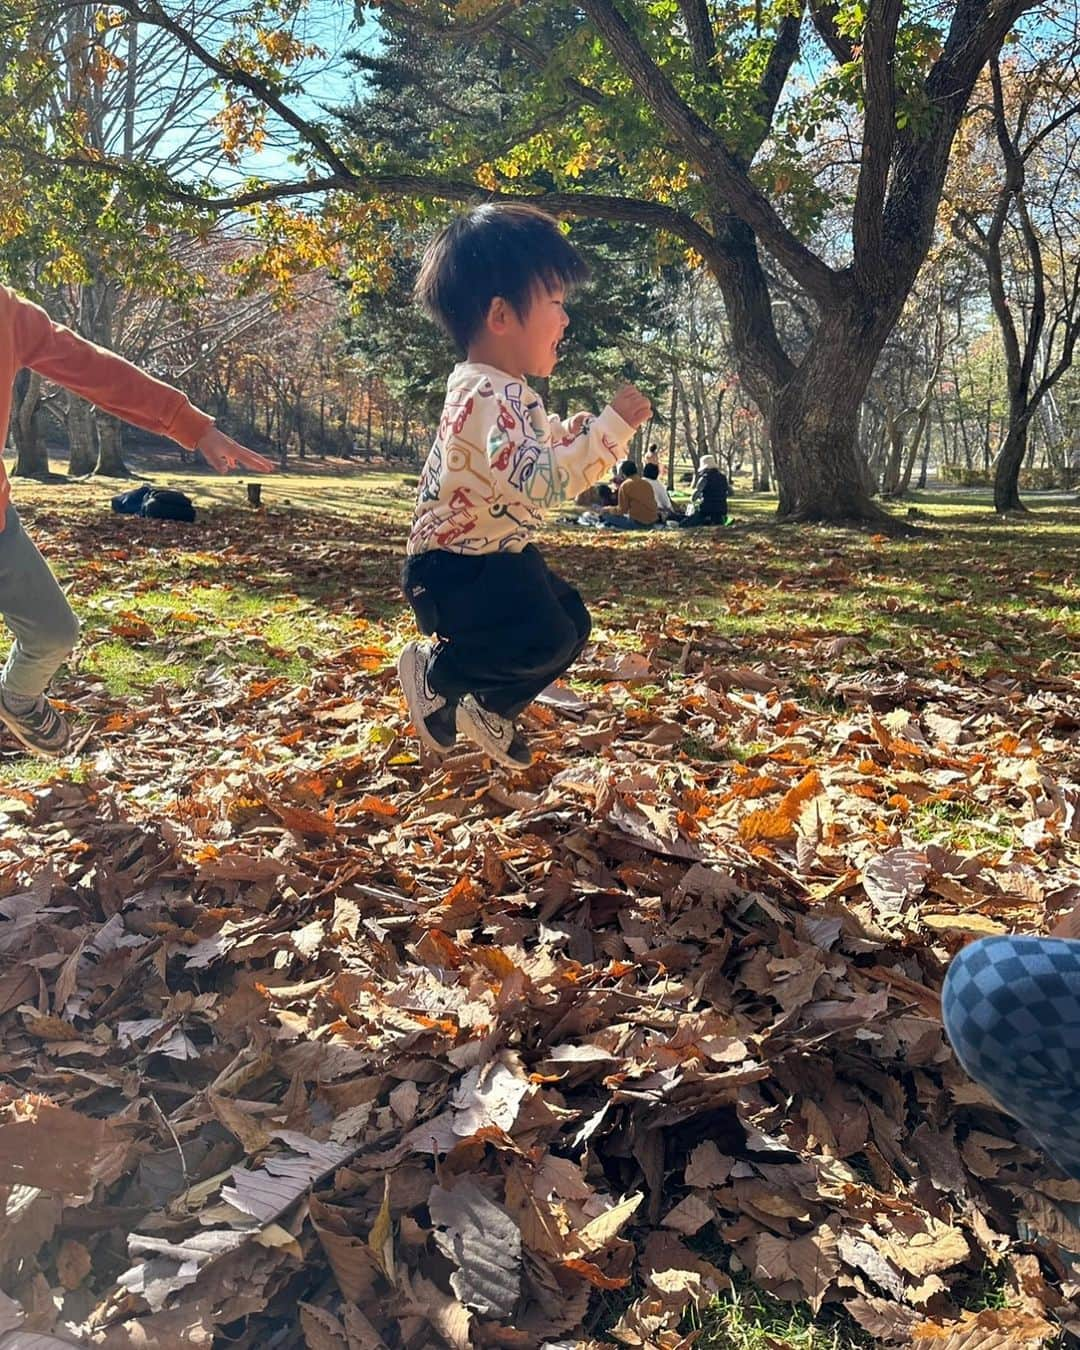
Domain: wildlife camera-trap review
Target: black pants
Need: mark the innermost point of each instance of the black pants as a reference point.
(507, 625)
(695, 518)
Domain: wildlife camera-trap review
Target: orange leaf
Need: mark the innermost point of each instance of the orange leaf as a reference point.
(377, 806)
(772, 826)
(493, 959)
(303, 821)
(595, 1276)
(803, 791)
(462, 889)
(437, 949)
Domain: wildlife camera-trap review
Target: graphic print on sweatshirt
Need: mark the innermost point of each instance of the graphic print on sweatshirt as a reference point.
(500, 460)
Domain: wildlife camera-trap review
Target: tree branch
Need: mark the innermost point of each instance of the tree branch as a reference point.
(633, 210)
(823, 17)
(699, 31)
(977, 31)
(785, 50)
(879, 135)
(723, 175)
(154, 14)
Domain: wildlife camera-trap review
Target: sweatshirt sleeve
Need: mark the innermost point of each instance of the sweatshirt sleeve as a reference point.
(586, 449)
(107, 380)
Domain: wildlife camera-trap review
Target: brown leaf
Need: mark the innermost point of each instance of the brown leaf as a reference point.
(322, 1331)
(73, 1263)
(354, 1264)
(483, 1243)
(689, 1215)
(892, 879)
(51, 1147)
(993, 1329)
(251, 1133)
(598, 1232)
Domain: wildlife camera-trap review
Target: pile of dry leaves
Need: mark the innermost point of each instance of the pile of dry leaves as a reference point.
(306, 1043)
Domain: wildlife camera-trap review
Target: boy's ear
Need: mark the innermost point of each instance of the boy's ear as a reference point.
(498, 315)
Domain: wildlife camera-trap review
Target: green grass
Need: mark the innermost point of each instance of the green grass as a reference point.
(125, 669)
(751, 1320)
(956, 823)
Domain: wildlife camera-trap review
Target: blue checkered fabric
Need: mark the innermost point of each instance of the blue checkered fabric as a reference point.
(1011, 1007)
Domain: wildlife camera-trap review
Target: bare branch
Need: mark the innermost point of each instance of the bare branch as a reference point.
(154, 14)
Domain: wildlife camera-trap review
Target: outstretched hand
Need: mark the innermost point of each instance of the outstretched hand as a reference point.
(222, 453)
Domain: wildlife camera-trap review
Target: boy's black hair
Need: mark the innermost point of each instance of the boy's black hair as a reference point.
(507, 250)
(651, 471)
(628, 468)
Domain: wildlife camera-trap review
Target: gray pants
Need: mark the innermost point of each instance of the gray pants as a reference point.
(34, 608)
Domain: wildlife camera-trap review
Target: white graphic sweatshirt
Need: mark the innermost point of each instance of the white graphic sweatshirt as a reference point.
(499, 460)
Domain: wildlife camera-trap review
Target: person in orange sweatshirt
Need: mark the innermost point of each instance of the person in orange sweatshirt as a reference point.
(31, 602)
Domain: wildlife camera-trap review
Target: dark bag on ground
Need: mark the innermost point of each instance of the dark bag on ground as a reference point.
(168, 504)
(157, 503)
(129, 503)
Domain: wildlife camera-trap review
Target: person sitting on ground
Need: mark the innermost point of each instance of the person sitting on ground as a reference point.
(667, 508)
(636, 508)
(500, 625)
(708, 506)
(600, 494)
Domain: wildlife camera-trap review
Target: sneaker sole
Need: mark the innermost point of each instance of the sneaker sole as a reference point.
(476, 731)
(406, 673)
(46, 752)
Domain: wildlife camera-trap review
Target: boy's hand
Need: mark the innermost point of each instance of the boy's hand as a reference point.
(632, 406)
(222, 453)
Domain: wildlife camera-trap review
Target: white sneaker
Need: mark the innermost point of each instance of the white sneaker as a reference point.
(496, 736)
(432, 717)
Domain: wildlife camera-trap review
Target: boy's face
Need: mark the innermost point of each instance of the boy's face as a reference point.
(531, 344)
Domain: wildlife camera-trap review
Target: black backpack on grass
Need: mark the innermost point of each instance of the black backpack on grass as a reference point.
(157, 503)
(168, 504)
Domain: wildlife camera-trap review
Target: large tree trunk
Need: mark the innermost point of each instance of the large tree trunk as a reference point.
(894, 438)
(921, 431)
(110, 460)
(813, 428)
(1011, 457)
(31, 457)
(82, 438)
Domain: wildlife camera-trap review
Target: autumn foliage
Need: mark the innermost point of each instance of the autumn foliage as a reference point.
(309, 1034)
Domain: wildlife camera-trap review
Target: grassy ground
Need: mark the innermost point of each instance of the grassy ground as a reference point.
(969, 592)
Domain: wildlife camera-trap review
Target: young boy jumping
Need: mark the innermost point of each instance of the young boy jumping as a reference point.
(496, 279)
(31, 601)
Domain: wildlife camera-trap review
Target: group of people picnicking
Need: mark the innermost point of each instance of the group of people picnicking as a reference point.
(498, 624)
(636, 500)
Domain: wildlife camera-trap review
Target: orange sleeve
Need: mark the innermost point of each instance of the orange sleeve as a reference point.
(107, 380)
